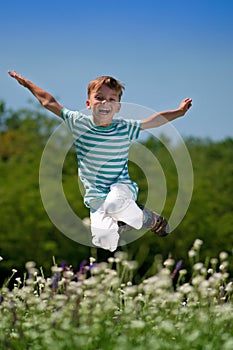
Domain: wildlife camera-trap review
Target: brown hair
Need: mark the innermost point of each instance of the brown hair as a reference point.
(111, 82)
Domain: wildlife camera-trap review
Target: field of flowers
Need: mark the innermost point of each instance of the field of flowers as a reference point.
(100, 307)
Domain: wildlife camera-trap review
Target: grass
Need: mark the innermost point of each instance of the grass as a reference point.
(100, 307)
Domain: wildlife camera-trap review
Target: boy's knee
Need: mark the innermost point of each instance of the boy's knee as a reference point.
(114, 206)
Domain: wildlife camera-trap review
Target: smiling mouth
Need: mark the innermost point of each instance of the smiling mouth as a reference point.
(104, 110)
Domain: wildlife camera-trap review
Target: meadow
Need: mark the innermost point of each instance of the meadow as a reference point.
(100, 307)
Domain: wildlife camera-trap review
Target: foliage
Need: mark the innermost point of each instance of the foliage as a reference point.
(26, 233)
(100, 307)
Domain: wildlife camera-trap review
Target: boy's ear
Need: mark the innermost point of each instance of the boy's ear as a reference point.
(118, 107)
(88, 104)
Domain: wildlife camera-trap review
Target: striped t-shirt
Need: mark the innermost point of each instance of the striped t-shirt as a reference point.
(102, 153)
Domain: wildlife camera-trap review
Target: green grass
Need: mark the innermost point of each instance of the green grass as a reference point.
(103, 309)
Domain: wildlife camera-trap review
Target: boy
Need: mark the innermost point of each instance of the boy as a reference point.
(102, 146)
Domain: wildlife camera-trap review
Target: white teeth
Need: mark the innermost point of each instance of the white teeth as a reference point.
(104, 110)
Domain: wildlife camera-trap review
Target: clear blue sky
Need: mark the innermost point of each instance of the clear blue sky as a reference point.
(163, 51)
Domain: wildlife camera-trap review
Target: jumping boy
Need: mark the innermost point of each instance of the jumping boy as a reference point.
(102, 144)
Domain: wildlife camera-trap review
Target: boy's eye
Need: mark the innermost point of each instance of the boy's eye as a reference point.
(99, 98)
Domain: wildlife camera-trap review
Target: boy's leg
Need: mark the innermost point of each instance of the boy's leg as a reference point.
(104, 230)
(155, 222)
(151, 220)
(120, 205)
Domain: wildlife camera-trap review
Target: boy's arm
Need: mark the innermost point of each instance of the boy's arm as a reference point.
(47, 100)
(158, 119)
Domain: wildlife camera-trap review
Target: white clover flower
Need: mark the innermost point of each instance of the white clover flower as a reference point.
(14, 270)
(197, 280)
(216, 278)
(223, 256)
(186, 288)
(131, 265)
(92, 260)
(86, 222)
(223, 266)
(131, 291)
(111, 260)
(213, 261)
(68, 274)
(30, 265)
(225, 276)
(167, 326)
(192, 253)
(120, 256)
(229, 287)
(113, 282)
(203, 287)
(18, 280)
(169, 262)
(197, 244)
(137, 324)
(140, 298)
(110, 272)
(198, 266)
(40, 280)
(203, 271)
(92, 281)
(55, 269)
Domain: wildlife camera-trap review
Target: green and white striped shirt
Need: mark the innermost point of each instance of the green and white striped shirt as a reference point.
(102, 153)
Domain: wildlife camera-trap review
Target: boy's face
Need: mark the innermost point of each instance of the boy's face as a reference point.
(104, 103)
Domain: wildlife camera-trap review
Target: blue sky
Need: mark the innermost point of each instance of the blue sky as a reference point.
(163, 51)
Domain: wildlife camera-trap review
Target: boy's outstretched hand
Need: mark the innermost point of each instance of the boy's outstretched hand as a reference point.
(21, 80)
(45, 98)
(185, 105)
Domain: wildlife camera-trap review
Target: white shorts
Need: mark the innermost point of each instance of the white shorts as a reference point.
(119, 205)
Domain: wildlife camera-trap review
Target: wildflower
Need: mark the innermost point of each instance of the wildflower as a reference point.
(197, 244)
(131, 265)
(1, 258)
(121, 256)
(137, 324)
(14, 270)
(198, 266)
(223, 266)
(68, 274)
(55, 280)
(183, 272)
(176, 269)
(223, 256)
(30, 265)
(56, 269)
(186, 288)
(213, 261)
(192, 253)
(92, 260)
(229, 287)
(197, 280)
(86, 222)
(169, 262)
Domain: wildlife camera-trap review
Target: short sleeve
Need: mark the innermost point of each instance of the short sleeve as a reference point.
(134, 128)
(70, 117)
